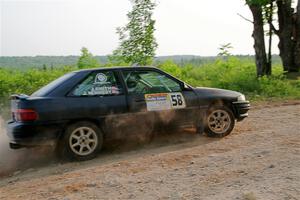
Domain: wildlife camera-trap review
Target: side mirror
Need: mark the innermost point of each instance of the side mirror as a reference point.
(182, 86)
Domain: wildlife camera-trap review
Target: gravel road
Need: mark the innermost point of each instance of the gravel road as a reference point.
(259, 160)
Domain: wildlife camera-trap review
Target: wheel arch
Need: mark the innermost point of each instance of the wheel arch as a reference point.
(222, 102)
(97, 122)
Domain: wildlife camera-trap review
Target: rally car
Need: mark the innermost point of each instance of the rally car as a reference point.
(80, 110)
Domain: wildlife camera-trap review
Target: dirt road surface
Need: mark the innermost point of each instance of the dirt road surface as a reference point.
(259, 160)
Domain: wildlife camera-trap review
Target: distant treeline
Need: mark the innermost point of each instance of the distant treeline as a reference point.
(26, 62)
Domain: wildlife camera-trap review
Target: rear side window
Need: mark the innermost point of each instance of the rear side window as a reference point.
(103, 83)
(51, 86)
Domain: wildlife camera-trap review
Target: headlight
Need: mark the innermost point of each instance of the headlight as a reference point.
(241, 98)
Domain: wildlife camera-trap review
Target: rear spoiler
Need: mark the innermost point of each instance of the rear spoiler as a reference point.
(18, 96)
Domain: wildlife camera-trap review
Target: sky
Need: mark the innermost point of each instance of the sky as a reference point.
(63, 27)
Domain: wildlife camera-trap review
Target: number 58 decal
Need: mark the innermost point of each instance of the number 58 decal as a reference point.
(164, 101)
(177, 100)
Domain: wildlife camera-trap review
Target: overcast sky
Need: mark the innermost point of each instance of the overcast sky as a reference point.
(62, 27)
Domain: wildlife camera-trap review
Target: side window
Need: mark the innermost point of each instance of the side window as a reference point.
(147, 82)
(99, 84)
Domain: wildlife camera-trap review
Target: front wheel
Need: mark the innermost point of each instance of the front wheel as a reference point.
(81, 141)
(219, 122)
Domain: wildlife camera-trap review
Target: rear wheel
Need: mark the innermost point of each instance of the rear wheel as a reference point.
(219, 122)
(81, 141)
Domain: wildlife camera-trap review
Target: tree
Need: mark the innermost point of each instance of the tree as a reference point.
(285, 33)
(288, 29)
(259, 36)
(86, 59)
(137, 42)
(268, 17)
(288, 33)
(297, 37)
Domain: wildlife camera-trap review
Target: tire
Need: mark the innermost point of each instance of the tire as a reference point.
(219, 122)
(81, 141)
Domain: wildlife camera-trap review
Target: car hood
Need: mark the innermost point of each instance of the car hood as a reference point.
(205, 92)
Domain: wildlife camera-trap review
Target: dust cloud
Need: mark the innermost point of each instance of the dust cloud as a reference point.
(5, 152)
(140, 134)
(12, 161)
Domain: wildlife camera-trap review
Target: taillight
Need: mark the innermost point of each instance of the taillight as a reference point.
(25, 115)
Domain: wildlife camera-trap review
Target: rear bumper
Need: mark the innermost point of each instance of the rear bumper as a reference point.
(32, 134)
(241, 109)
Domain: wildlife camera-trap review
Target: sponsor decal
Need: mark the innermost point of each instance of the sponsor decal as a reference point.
(104, 90)
(164, 101)
(100, 78)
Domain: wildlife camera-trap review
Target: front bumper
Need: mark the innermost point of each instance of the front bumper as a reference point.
(32, 134)
(241, 109)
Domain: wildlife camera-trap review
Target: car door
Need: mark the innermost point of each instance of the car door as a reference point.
(156, 95)
(99, 96)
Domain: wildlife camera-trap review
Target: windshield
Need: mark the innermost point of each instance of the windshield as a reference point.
(48, 88)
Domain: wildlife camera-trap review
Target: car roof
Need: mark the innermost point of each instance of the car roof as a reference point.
(117, 68)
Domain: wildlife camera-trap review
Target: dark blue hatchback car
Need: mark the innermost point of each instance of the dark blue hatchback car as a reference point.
(80, 110)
